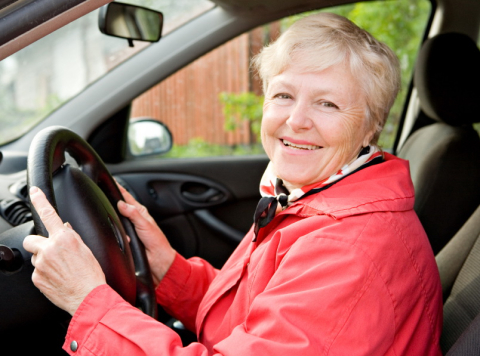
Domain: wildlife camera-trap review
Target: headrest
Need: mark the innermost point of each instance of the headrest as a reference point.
(447, 77)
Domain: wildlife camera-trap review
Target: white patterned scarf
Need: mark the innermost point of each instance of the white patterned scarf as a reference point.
(276, 197)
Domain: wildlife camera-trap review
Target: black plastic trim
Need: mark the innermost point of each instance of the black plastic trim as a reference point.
(219, 226)
(25, 15)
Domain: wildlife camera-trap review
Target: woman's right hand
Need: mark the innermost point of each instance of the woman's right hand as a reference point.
(159, 252)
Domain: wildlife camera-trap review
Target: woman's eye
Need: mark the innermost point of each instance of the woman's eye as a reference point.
(329, 104)
(282, 96)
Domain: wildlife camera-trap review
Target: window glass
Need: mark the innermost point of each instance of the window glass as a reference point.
(41, 77)
(214, 105)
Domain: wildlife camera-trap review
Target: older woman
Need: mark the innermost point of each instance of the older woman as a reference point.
(337, 262)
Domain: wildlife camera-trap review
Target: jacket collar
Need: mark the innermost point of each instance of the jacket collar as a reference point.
(383, 187)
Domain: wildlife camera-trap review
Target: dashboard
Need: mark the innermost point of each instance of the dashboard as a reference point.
(14, 206)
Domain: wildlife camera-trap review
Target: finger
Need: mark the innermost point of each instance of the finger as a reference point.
(122, 190)
(132, 201)
(45, 210)
(33, 243)
(129, 199)
(132, 212)
(120, 187)
(127, 196)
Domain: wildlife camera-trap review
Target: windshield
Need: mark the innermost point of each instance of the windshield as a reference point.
(38, 79)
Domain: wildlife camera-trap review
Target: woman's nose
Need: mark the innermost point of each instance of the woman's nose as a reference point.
(299, 119)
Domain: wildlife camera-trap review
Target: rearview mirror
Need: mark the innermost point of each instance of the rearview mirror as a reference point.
(131, 22)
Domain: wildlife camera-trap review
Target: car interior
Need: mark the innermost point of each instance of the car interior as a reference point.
(205, 204)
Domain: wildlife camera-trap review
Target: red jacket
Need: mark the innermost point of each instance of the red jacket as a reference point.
(348, 271)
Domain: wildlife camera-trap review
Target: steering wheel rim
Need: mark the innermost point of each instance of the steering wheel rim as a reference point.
(46, 166)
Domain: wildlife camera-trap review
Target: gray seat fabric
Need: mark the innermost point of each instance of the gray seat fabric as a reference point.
(445, 156)
(459, 266)
(469, 343)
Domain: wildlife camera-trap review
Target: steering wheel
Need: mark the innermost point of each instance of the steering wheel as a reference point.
(86, 196)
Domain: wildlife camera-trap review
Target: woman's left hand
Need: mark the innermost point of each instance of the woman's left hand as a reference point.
(65, 269)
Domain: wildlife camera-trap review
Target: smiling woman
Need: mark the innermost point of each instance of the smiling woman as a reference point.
(335, 224)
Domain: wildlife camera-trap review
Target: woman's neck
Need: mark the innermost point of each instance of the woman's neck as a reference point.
(291, 186)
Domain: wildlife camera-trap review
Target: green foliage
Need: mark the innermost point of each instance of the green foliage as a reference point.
(198, 147)
(238, 108)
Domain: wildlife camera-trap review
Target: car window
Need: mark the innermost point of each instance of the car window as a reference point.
(41, 77)
(214, 105)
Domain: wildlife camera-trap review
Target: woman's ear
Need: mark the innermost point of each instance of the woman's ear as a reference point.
(370, 135)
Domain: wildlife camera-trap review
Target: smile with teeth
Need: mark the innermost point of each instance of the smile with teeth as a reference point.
(300, 147)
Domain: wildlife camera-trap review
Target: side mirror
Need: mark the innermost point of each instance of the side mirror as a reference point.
(131, 22)
(148, 137)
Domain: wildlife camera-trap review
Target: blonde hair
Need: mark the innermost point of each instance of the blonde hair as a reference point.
(319, 41)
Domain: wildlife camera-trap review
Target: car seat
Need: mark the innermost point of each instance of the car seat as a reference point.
(469, 343)
(459, 266)
(445, 156)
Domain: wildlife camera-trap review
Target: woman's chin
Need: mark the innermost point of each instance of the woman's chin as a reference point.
(297, 175)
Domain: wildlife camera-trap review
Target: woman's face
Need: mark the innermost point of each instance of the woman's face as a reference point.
(313, 123)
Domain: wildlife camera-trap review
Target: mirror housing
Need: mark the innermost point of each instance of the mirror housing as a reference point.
(131, 22)
(148, 137)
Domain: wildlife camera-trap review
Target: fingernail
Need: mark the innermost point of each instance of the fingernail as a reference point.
(121, 204)
(33, 190)
(67, 224)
